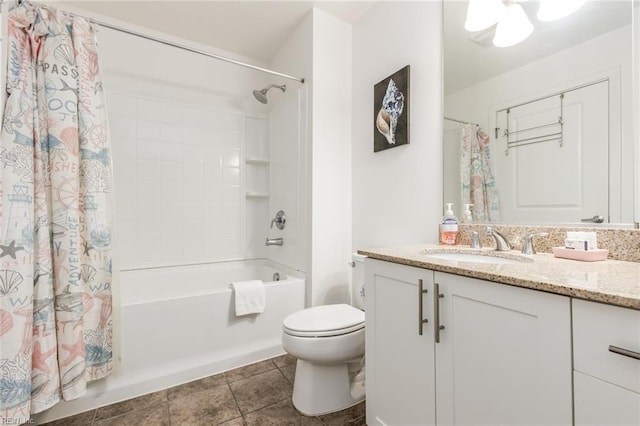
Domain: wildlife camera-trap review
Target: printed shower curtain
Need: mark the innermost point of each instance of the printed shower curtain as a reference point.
(55, 223)
(478, 183)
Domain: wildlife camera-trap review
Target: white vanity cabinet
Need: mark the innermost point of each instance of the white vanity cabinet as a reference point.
(400, 361)
(606, 350)
(503, 356)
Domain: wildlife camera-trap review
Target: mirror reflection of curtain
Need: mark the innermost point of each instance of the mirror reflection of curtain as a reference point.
(477, 181)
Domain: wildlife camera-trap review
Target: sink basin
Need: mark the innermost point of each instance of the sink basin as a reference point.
(489, 257)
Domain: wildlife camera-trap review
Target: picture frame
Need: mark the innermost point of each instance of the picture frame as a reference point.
(391, 111)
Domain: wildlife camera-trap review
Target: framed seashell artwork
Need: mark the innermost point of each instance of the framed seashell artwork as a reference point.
(391, 111)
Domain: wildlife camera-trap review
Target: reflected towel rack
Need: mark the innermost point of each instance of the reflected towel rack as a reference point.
(552, 136)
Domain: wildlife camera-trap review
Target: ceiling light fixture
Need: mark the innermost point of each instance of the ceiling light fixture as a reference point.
(481, 14)
(551, 10)
(513, 27)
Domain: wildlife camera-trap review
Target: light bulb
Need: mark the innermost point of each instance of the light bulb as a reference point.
(482, 14)
(513, 27)
(551, 10)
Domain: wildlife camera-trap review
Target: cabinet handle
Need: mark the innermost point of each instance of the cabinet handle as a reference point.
(624, 352)
(436, 312)
(421, 321)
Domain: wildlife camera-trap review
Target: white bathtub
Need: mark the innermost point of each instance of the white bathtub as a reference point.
(181, 319)
(178, 324)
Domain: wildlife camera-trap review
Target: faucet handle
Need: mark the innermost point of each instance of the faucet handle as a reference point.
(527, 247)
(475, 240)
(280, 220)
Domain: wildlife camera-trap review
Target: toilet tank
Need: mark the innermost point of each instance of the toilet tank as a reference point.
(357, 281)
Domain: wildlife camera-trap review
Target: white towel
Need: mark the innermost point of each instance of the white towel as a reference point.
(250, 297)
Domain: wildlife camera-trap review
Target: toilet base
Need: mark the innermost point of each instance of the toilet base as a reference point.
(321, 389)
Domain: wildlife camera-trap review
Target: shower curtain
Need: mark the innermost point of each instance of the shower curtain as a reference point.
(55, 221)
(478, 183)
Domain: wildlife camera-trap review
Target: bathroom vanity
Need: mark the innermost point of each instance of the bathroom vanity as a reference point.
(492, 342)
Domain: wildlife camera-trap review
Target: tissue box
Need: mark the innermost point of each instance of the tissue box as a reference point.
(577, 244)
(581, 235)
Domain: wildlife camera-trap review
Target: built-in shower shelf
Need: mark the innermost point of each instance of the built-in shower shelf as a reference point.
(257, 160)
(257, 194)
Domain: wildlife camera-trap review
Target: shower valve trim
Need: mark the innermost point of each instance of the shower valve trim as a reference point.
(280, 220)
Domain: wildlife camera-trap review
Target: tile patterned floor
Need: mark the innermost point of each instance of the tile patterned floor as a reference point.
(255, 395)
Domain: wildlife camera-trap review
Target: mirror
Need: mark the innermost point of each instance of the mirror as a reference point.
(554, 110)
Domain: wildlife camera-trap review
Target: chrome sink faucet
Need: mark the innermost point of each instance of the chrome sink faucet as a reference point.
(502, 244)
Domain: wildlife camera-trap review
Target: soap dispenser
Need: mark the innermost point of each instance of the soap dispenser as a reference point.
(467, 216)
(449, 233)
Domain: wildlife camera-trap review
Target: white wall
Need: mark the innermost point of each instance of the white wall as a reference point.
(397, 193)
(562, 70)
(331, 159)
(320, 51)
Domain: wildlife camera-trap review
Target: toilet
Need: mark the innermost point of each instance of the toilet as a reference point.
(328, 341)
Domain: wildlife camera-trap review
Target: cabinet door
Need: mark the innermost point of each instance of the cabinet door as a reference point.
(597, 330)
(606, 382)
(604, 404)
(504, 356)
(400, 362)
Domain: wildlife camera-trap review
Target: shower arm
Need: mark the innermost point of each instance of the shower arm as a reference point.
(271, 86)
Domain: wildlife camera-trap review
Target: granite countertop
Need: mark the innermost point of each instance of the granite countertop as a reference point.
(611, 281)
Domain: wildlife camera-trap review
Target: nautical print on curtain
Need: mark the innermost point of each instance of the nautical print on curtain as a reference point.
(55, 219)
(476, 175)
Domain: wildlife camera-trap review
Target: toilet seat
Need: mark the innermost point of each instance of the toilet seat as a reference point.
(324, 321)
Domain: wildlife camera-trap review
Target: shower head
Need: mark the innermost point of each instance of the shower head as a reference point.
(261, 95)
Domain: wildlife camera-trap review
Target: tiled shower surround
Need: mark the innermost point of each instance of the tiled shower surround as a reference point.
(178, 174)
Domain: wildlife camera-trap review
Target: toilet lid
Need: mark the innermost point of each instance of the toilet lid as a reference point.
(326, 320)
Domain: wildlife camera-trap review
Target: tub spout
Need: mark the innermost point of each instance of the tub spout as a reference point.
(273, 242)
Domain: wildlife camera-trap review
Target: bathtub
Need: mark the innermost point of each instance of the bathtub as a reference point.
(182, 319)
(178, 324)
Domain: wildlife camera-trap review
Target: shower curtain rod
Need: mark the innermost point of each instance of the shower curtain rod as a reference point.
(459, 121)
(198, 51)
(189, 49)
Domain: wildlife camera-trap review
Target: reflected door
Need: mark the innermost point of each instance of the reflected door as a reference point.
(546, 171)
